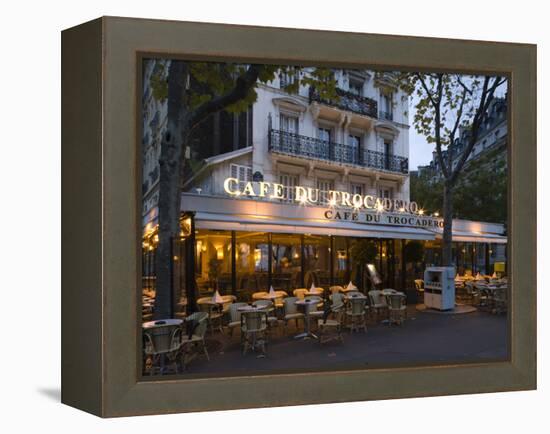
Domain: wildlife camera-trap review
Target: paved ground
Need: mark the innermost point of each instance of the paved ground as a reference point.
(425, 338)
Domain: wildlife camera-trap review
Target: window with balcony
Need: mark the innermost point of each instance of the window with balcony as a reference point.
(386, 106)
(388, 154)
(356, 87)
(354, 143)
(289, 182)
(324, 186)
(288, 123)
(324, 134)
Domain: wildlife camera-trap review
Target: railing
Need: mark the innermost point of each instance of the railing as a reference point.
(348, 101)
(316, 149)
(385, 115)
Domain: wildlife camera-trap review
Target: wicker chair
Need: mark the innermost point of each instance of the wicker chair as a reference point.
(419, 286)
(314, 311)
(228, 301)
(336, 289)
(378, 303)
(254, 330)
(190, 346)
(300, 293)
(278, 302)
(291, 311)
(356, 313)
(397, 308)
(337, 298)
(214, 311)
(330, 329)
(472, 293)
(234, 317)
(500, 300)
(162, 343)
(269, 308)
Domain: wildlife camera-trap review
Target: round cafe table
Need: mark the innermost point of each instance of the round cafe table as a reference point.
(345, 289)
(354, 295)
(249, 308)
(308, 305)
(162, 323)
(272, 298)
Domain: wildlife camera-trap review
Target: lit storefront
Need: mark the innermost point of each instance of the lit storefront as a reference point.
(243, 243)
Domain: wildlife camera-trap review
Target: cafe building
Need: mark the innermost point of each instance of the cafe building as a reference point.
(278, 195)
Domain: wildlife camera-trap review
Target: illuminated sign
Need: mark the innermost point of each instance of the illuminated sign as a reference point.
(308, 195)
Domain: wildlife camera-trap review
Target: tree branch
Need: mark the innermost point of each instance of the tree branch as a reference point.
(243, 85)
(466, 88)
(428, 92)
(487, 96)
(456, 125)
(437, 108)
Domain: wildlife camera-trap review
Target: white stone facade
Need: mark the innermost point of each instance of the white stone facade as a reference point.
(371, 109)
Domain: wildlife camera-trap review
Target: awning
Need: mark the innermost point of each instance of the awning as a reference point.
(215, 221)
(473, 237)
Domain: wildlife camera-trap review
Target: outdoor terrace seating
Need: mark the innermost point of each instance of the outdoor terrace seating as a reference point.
(356, 317)
(162, 342)
(235, 317)
(193, 342)
(214, 311)
(378, 303)
(397, 308)
(291, 312)
(300, 293)
(254, 331)
(330, 329)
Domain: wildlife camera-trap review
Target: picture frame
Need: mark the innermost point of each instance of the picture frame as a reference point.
(101, 214)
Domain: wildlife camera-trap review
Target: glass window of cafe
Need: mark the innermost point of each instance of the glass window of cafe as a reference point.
(241, 263)
(213, 261)
(251, 263)
(317, 261)
(293, 261)
(286, 265)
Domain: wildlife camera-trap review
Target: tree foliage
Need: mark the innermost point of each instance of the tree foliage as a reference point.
(480, 192)
(209, 80)
(444, 103)
(413, 251)
(363, 251)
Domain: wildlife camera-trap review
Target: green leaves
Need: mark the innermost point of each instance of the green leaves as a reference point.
(480, 192)
(159, 86)
(209, 80)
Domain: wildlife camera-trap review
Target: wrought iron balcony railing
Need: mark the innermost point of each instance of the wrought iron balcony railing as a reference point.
(316, 149)
(348, 101)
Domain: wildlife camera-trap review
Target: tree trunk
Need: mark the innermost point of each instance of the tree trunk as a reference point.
(170, 165)
(447, 252)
